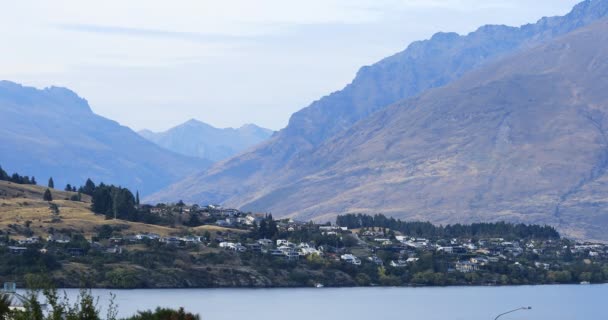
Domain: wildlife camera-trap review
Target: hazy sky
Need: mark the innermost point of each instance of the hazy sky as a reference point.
(154, 64)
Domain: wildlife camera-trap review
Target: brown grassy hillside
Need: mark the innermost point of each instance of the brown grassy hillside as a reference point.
(22, 203)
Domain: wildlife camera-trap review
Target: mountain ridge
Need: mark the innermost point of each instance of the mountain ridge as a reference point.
(197, 138)
(54, 132)
(421, 66)
(522, 139)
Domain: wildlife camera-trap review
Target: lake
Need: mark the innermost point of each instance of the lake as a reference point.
(456, 303)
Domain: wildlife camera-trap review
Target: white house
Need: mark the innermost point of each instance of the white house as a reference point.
(349, 258)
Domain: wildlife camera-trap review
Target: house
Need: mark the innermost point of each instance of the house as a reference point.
(224, 223)
(114, 250)
(265, 242)
(58, 238)
(398, 264)
(157, 210)
(276, 252)
(116, 240)
(76, 252)
(466, 267)
(349, 258)
(445, 249)
(482, 261)
(171, 241)
(255, 247)
(239, 248)
(282, 242)
(16, 301)
(30, 240)
(307, 251)
(190, 239)
(227, 245)
(250, 219)
(17, 250)
(285, 248)
(375, 260)
(292, 256)
(412, 260)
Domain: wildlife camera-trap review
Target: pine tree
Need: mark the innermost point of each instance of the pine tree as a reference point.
(51, 183)
(89, 187)
(137, 198)
(34, 180)
(3, 174)
(47, 195)
(68, 187)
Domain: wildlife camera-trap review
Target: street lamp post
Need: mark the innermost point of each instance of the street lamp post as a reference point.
(522, 308)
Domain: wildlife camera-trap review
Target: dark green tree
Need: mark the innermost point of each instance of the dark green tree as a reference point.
(89, 187)
(47, 195)
(165, 314)
(51, 183)
(3, 175)
(137, 197)
(5, 303)
(68, 187)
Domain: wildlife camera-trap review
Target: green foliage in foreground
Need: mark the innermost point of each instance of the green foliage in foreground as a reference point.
(164, 314)
(85, 308)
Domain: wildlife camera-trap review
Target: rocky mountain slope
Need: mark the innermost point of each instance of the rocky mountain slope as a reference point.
(249, 179)
(198, 139)
(523, 139)
(53, 132)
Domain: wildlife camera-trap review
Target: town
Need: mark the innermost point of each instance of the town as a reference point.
(361, 250)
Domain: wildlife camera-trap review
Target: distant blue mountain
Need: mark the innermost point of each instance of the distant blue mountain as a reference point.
(198, 139)
(53, 132)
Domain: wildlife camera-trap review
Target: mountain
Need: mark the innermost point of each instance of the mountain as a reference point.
(424, 65)
(523, 139)
(196, 138)
(54, 132)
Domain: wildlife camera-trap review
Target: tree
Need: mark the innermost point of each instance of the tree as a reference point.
(89, 187)
(34, 180)
(101, 200)
(137, 197)
(3, 174)
(68, 187)
(47, 195)
(165, 314)
(5, 303)
(272, 227)
(51, 183)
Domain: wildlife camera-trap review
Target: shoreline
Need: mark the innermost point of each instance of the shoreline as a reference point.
(336, 287)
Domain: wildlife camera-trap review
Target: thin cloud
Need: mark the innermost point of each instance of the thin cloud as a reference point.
(153, 33)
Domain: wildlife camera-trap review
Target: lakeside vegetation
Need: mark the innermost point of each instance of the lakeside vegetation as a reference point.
(116, 242)
(47, 304)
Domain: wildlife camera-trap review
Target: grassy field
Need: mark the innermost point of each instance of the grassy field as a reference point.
(22, 205)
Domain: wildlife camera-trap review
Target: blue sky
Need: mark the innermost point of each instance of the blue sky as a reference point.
(154, 64)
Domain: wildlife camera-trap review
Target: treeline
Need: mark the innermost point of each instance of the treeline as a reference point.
(429, 230)
(114, 202)
(16, 178)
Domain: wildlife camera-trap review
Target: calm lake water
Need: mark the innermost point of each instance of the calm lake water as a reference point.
(455, 303)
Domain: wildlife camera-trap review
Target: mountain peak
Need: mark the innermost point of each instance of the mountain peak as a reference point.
(197, 138)
(59, 99)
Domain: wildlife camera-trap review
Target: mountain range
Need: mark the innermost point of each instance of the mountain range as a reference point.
(54, 133)
(502, 123)
(198, 139)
